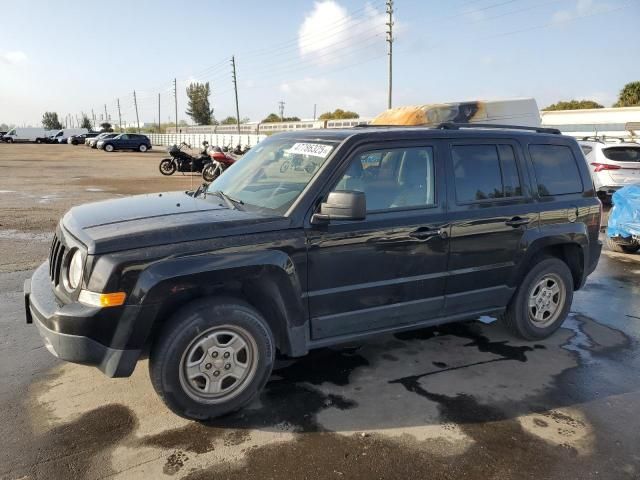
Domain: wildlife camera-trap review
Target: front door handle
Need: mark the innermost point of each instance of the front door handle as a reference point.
(425, 233)
(518, 221)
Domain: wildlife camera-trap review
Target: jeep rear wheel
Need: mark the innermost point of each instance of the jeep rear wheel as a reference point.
(213, 357)
(542, 301)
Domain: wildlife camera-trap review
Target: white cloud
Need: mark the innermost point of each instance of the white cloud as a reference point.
(329, 34)
(14, 57)
(581, 8)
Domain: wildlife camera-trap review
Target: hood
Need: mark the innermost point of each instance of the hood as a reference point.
(161, 218)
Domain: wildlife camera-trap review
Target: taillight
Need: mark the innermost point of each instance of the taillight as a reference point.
(604, 166)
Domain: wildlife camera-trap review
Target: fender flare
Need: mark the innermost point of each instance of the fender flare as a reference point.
(267, 279)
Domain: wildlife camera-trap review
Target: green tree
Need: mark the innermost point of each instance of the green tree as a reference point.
(228, 121)
(338, 114)
(106, 127)
(273, 117)
(629, 95)
(86, 122)
(573, 105)
(198, 108)
(4, 127)
(50, 121)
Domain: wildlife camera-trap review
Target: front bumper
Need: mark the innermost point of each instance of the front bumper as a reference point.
(52, 319)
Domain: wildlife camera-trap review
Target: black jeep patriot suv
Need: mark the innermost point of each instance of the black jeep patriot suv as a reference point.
(316, 238)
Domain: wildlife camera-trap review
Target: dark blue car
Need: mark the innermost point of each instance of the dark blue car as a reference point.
(125, 141)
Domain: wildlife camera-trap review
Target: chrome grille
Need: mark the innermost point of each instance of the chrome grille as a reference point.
(56, 255)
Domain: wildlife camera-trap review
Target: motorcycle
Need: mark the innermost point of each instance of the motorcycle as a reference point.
(220, 161)
(182, 161)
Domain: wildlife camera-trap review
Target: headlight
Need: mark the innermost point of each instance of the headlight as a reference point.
(74, 272)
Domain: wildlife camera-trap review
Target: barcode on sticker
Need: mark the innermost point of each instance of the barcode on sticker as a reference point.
(313, 149)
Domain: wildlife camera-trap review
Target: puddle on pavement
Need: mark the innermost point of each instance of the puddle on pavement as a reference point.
(94, 190)
(417, 403)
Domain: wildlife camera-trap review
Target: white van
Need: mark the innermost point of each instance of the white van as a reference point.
(62, 135)
(24, 135)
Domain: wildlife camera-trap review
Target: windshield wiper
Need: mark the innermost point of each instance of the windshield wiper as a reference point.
(232, 202)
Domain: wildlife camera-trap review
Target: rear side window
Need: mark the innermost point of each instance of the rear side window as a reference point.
(556, 170)
(586, 149)
(485, 172)
(622, 154)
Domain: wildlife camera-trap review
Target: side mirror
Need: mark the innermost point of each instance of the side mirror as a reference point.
(341, 205)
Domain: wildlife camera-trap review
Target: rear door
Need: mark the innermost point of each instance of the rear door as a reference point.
(490, 208)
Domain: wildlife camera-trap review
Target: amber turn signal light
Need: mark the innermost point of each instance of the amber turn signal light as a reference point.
(94, 299)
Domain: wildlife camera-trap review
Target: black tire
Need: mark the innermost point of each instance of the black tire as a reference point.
(10, 140)
(38, 141)
(108, 148)
(517, 316)
(621, 248)
(167, 167)
(74, 142)
(191, 323)
(142, 148)
(210, 172)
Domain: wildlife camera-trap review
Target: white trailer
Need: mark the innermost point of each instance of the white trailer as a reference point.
(24, 135)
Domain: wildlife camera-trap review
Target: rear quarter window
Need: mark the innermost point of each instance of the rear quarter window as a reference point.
(556, 170)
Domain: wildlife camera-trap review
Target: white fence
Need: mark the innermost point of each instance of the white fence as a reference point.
(196, 139)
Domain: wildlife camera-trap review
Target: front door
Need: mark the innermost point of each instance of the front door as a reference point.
(491, 210)
(388, 270)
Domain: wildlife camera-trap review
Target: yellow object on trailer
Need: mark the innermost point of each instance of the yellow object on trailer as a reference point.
(520, 111)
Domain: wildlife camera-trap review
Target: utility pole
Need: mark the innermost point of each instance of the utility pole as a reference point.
(135, 104)
(390, 42)
(314, 112)
(235, 87)
(106, 117)
(119, 117)
(175, 96)
(281, 109)
(159, 129)
(93, 115)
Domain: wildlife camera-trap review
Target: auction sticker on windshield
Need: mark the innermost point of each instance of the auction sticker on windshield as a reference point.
(313, 149)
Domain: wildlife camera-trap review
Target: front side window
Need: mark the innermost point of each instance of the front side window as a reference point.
(485, 172)
(392, 178)
(273, 174)
(556, 170)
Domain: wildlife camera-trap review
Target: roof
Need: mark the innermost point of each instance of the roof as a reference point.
(385, 131)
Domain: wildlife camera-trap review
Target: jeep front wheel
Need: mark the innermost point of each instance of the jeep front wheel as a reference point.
(213, 357)
(542, 301)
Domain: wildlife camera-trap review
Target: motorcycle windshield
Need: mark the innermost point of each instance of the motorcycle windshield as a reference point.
(273, 174)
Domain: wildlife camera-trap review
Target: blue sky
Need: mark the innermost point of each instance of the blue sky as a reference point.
(71, 56)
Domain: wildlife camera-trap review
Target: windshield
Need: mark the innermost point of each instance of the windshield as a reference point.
(273, 174)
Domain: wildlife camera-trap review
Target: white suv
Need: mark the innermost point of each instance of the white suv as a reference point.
(613, 164)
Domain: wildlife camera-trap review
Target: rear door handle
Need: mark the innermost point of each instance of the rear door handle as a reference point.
(518, 222)
(425, 232)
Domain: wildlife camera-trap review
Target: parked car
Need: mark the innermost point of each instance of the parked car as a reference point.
(27, 134)
(2, 134)
(62, 135)
(93, 142)
(125, 141)
(371, 230)
(613, 163)
(623, 226)
(78, 139)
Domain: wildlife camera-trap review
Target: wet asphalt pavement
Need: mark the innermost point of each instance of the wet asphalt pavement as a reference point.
(459, 401)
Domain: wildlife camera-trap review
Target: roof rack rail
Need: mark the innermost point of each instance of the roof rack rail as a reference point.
(457, 126)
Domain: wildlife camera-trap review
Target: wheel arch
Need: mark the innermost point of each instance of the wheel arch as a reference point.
(266, 280)
(569, 247)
